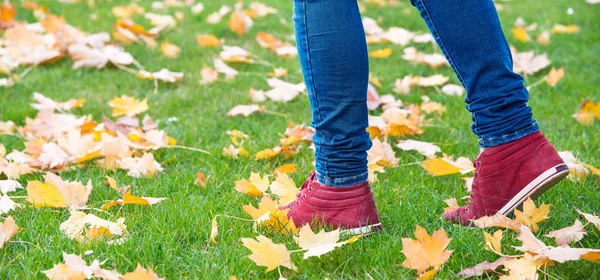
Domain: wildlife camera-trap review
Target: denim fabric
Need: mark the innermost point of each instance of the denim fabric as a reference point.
(334, 59)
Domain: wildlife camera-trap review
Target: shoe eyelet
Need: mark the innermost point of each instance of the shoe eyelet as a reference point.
(298, 203)
(467, 210)
(310, 189)
(476, 173)
(304, 196)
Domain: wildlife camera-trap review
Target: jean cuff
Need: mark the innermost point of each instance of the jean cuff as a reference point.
(342, 182)
(488, 142)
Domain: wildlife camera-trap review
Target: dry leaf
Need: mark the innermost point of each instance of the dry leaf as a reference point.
(7, 204)
(595, 220)
(214, 230)
(493, 243)
(286, 168)
(265, 206)
(444, 166)
(520, 33)
(532, 215)
(8, 12)
(427, 149)
(208, 40)
(245, 110)
(497, 221)
(201, 179)
(452, 204)
(56, 192)
(382, 53)
(319, 244)
(131, 199)
(528, 63)
(567, 235)
(385, 153)
(453, 90)
(544, 38)
(128, 106)
(284, 188)
(559, 28)
(140, 273)
(93, 226)
(589, 112)
(239, 23)
(554, 76)
(7, 186)
(8, 229)
(480, 269)
(523, 268)
(268, 254)
(140, 166)
(170, 50)
(426, 251)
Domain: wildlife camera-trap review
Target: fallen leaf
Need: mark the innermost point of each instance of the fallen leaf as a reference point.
(497, 221)
(170, 50)
(245, 110)
(452, 204)
(493, 243)
(268, 254)
(127, 106)
(426, 251)
(284, 188)
(544, 38)
(481, 268)
(239, 23)
(80, 223)
(140, 273)
(383, 150)
(208, 40)
(265, 206)
(56, 192)
(131, 199)
(520, 34)
(427, 149)
(523, 268)
(320, 243)
(7, 186)
(443, 166)
(567, 235)
(382, 53)
(528, 63)
(532, 215)
(8, 229)
(8, 12)
(554, 76)
(7, 204)
(595, 220)
(214, 231)
(453, 90)
(589, 112)
(201, 179)
(140, 166)
(286, 168)
(559, 28)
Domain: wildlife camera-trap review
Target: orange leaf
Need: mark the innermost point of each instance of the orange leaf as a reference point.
(8, 12)
(426, 251)
(208, 40)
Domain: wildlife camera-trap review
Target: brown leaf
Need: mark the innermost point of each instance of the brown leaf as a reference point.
(567, 235)
(480, 269)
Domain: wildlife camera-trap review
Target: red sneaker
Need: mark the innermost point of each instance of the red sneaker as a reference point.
(350, 208)
(506, 175)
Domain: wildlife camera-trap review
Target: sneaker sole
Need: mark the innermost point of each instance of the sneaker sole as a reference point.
(537, 187)
(366, 230)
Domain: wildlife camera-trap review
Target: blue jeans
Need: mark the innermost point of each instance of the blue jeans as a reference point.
(333, 54)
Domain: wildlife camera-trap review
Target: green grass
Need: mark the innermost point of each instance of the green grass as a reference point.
(173, 236)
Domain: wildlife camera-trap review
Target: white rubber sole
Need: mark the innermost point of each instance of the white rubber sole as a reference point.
(536, 187)
(366, 230)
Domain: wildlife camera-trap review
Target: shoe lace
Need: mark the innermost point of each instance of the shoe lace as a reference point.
(305, 186)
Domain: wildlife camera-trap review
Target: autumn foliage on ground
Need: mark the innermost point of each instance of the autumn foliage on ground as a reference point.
(202, 104)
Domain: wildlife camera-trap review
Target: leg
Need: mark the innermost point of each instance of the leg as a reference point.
(333, 55)
(519, 161)
(470, 36)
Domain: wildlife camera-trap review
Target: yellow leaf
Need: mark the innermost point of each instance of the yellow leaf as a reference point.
(555, 75)
(286, 168)
(41, 195)
(559, 28)
(201, 179)
(321, 243)
(277, 221)
(141, 273)
(8, 12)
(284, 188)
(493, 243)
(427, 275)
(452, 204)
(8, 229)
(532, 215)
(214, 231)
(589, 112)
(498, 221)
(245, 186)
(239, 23)
(170, 50)
(383, 53)
(426, 251)
(439, 167)
(267, 154)
(520, 34)
(265, 206)
(208, 40)
(268, 254)
(128, 198)
(592, 256)
(127, 106)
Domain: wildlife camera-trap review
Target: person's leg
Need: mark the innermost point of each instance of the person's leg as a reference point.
(518, 161)
(333, 54)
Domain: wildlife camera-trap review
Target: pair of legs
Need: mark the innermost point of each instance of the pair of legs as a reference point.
(334, 59)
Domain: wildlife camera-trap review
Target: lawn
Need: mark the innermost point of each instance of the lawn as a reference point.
(173, 237)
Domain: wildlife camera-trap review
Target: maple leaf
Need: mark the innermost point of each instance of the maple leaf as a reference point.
(214, 230)
(284, 188)
(528, 63)
(74, 267)
(265, 206)
(452, 204)
(286, 168)
(532, 215)
(8, 12)
(480, 269)
(45, 103)
(140, 166)
(444, 166)
(128, 106)
(161, 21)
(320, 243)
(127, 11)
(384, 151)
(245, 110)
(170, 50)
(164, 75)
(373, 166)
(453, 90)
(233, 151)
(8, 229)
(277, 221)
(86, 56)
(493, 243)
(7, 204)
(201, 179)
(497, 221)
(523, 268)
(268, 254)
(426, 251)
(239, 23)
(208, 40)
(559, 28)
(7, 186)
(520, 33)
(283, 91)
(221, 67)
(128, 198)
(140, 273)
(544, 38)
(567, 235)
(433, 60)
(590, 111)
(235, 54)
(382, 53)
(595, 220)
(554, 76)
(92, 225)
(56, 192)
(427, 149)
